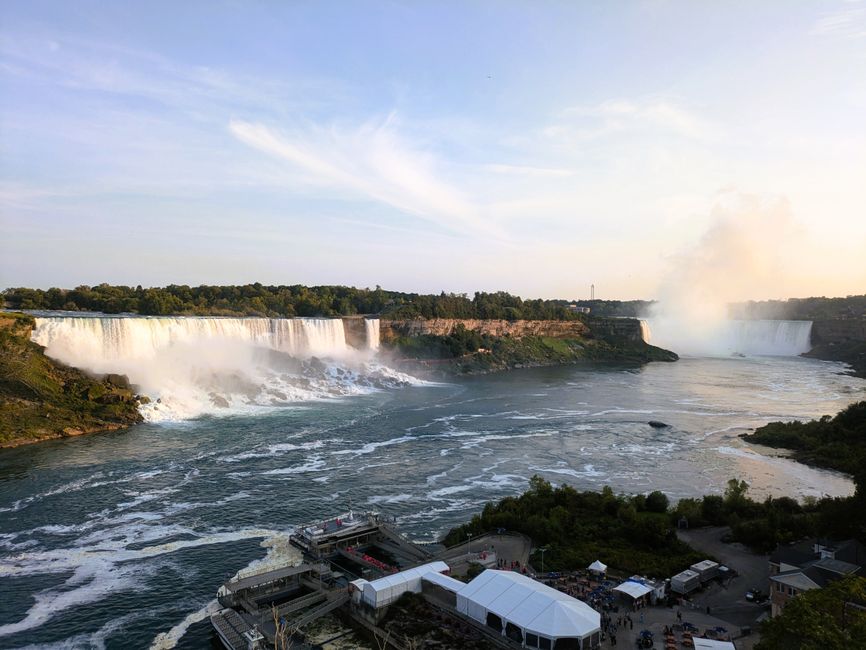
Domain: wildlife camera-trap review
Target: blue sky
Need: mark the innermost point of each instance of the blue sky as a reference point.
(535, 147)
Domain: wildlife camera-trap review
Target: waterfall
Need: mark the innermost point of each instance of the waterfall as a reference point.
(730, 337)
(192, 366)
(770, 337)
(371, 327)
(645, 331)
(97, 339)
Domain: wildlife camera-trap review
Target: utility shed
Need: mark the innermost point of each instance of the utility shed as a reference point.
(385, 591)
(528, 612)
(685, 582)
(706, 569)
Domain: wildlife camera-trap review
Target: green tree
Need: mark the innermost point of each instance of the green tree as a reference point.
(820, 619)
(657, 501)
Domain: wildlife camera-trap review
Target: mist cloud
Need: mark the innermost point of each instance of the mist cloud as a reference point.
(750, 250)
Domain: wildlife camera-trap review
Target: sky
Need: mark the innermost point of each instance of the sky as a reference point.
(532, 147)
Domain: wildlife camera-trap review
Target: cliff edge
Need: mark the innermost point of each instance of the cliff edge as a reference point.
(470, 346)
(42, 399)
(841, 339)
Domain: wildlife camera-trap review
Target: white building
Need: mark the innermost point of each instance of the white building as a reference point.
(529, 613)
(384, 591)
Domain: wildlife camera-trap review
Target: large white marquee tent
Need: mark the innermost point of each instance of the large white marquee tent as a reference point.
(529, 612)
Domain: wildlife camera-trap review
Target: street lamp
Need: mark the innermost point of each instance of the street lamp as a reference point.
(542, 550)
(469, 549)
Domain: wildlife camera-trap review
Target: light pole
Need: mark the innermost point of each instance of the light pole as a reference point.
(469, 549)
(542, 550)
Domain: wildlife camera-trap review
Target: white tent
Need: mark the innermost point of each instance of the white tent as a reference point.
(712, 644)
(633, 589)
(446, 582)
(385, 591)
(519, 606)
(597, 566)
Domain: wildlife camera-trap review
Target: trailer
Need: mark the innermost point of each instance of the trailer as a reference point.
(685, 582)
(707, 569)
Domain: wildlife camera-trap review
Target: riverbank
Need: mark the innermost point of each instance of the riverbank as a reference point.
(837, 443)
(852, 352)
(42, 399)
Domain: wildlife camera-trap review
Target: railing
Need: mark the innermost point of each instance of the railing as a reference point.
(300, 603)
(333, 603)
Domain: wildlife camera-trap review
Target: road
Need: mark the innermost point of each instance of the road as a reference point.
(753, 572)
(507, 547)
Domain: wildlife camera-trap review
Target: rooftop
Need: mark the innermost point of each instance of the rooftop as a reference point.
(266, 577)
(796, 579)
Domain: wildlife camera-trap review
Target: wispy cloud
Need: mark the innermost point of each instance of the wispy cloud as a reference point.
(620, 115)
(372, 161)
(527, 170)
(845, 23)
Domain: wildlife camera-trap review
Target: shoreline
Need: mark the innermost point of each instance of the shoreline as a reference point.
(74, 433)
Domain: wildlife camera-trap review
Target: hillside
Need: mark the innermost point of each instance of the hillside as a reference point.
(42, 399)
(447, 346)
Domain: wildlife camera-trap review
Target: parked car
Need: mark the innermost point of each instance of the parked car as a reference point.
(756, 596)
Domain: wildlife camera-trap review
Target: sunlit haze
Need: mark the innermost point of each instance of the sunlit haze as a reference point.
(689, 151)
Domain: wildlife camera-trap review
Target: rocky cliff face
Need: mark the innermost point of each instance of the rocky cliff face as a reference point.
(356, 331)
(843, 340)
(838, 331)
(392, 329)
(618, 330)
(41, 398)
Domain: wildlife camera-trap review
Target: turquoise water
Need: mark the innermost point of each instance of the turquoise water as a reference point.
(114, 539)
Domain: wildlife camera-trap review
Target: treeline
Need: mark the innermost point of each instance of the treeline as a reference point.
(284, 301)
(819, 308)
(636, 533)
(630, 533)
(617, 308)
(762, 525)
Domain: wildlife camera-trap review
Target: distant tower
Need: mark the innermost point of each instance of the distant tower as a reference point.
(592, 292)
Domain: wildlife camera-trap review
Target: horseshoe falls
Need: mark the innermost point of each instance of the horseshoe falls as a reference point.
(779, 338)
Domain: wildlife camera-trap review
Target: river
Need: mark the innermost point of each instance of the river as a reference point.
(122, 539)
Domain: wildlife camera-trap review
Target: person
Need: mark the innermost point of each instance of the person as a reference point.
(641, 618)
(708, 609)
(679, 616)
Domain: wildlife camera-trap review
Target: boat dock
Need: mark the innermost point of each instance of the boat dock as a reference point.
(259, 608)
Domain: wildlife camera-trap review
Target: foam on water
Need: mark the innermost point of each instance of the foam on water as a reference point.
(168, 640)
(101, 565)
